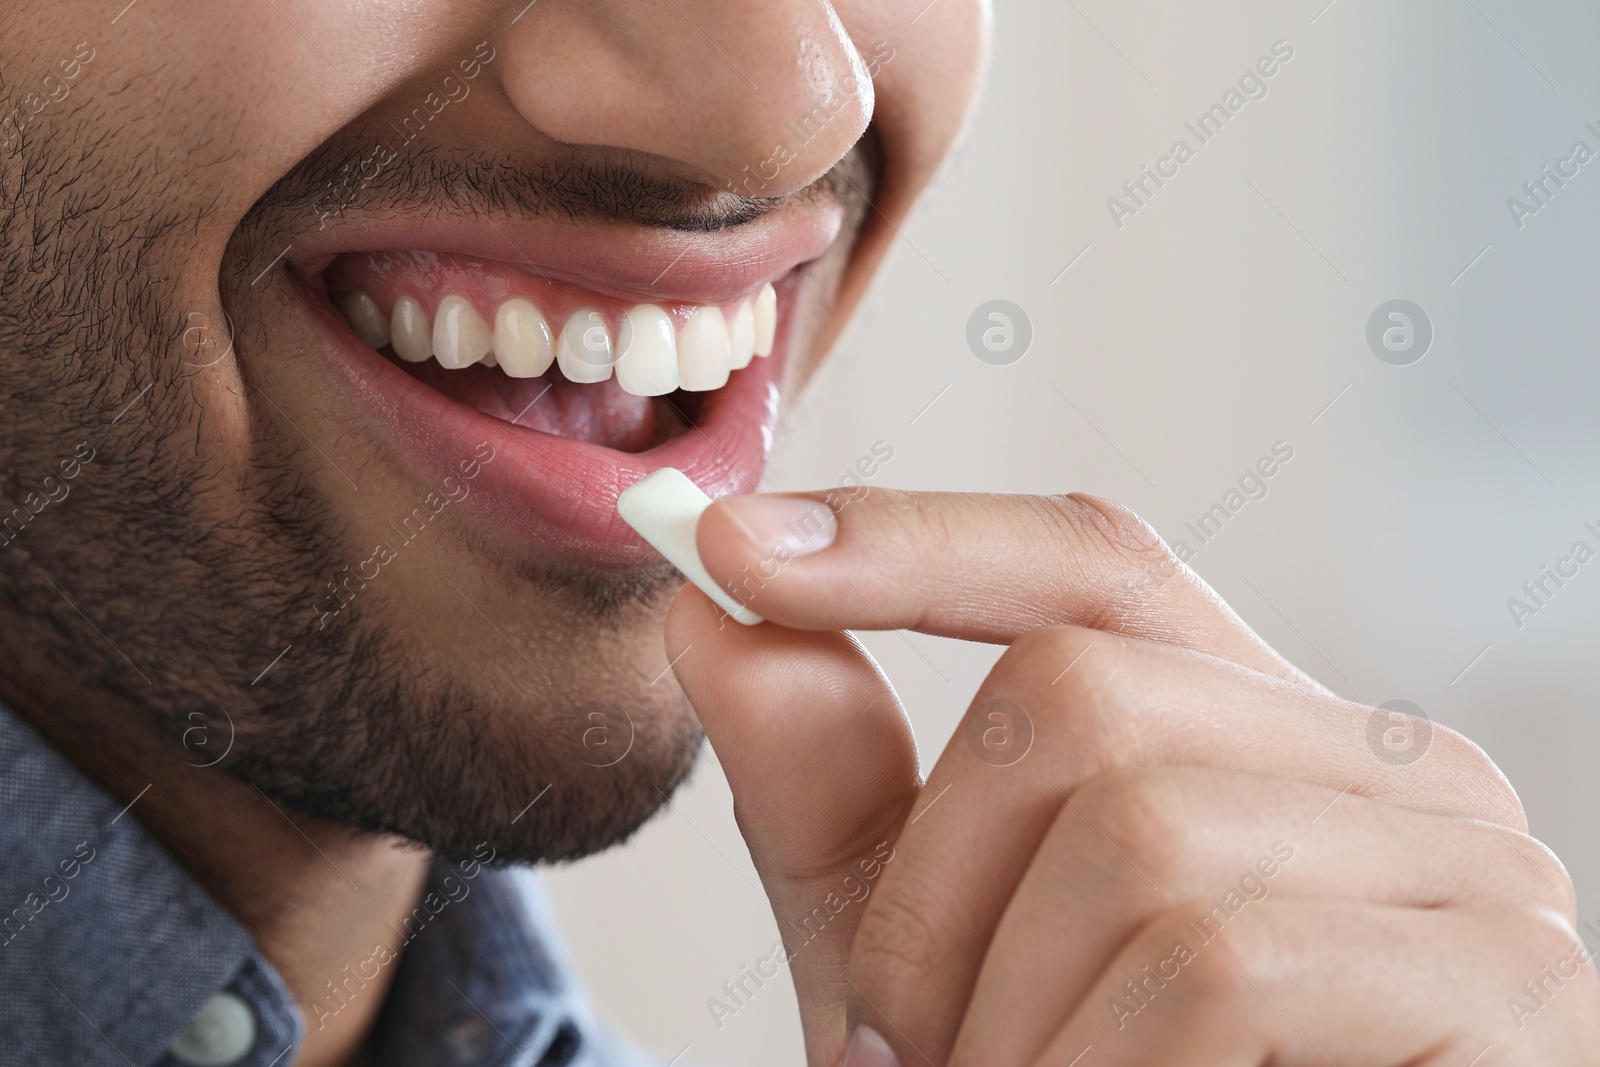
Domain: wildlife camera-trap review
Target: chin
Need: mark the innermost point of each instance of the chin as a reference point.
(531, 776)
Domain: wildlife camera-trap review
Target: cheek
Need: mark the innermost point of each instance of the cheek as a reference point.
(925, 97)
(928, 71)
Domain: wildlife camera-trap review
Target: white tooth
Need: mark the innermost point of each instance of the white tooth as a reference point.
(742, 337)
(460, 336)
(647, 352)
(521, 339)
(584, 351)
(703, 352)
(364, 317)
(410, 331)
(766, 319)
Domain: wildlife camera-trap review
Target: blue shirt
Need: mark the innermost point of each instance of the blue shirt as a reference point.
(110, 953)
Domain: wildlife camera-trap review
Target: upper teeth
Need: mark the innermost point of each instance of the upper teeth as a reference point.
(649, 355)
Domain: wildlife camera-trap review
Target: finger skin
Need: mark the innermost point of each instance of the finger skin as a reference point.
(1309, 983)
(982, 567)
(1130, 843)
(1011, 570)
(822, 766)
(1122, 703)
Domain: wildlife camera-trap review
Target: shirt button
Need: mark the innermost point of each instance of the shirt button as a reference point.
(220, 1035)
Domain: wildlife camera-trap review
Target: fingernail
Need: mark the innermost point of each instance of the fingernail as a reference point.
(784, 526)
(869, 1049)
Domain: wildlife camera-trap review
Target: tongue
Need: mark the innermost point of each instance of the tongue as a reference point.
(600, 413)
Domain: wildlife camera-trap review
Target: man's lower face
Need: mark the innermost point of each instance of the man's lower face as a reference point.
(352, 503)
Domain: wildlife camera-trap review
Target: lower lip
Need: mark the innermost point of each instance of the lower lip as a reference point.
(557, 491)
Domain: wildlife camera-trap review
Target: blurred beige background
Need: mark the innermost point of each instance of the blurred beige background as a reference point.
(1227, 314)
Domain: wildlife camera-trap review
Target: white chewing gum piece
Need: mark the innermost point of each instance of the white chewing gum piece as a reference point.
(663, 507)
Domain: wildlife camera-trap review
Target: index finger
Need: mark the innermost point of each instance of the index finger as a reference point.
(981, 567)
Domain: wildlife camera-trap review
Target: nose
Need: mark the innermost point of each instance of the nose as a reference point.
(756, 97)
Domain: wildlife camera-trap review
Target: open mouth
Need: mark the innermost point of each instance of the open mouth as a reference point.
(579, 374)
(545, 355)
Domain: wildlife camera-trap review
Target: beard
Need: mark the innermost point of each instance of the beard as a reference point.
(180, 576)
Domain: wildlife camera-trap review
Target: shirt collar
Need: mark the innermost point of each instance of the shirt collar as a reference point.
(108, 949)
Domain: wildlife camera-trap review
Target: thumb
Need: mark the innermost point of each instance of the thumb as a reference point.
(823, 770)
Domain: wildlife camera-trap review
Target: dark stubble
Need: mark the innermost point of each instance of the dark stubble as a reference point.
(127, 588)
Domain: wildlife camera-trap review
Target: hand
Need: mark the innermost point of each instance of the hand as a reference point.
(1198, 860)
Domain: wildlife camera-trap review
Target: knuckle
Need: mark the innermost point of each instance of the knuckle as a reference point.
(1074, 679)
(1036, 650)
(1479, 779)
(1114, 548)
(1105, 524)
(1140, 815)
(1215, 969)
(1043, 656)
(1186, 979)
(1546, 881)
(1065, 660)
(1247, 953)
(1540, 934)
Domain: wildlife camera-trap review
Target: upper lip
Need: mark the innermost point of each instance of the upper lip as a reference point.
(618, 259)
